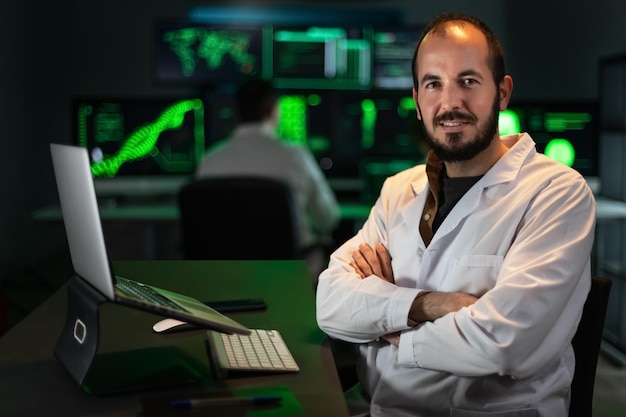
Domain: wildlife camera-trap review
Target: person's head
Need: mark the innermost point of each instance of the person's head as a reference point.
(460, 85)
(256, 100)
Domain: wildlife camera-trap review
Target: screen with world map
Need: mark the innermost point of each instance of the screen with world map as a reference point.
(207, 54)
(201, 54)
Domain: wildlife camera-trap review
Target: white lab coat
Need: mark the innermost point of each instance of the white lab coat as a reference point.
(520, 239)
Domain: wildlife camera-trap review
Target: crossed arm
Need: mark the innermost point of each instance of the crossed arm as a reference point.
(427, 306)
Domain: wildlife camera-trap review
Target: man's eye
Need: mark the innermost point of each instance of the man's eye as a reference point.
(469, 81)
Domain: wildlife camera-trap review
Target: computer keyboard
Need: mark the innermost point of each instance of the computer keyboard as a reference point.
(261, 351)
(144, 293)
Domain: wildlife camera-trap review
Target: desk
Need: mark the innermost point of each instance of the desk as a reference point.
(34, 383)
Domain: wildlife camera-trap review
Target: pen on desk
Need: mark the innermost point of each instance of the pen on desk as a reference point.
(218, 401)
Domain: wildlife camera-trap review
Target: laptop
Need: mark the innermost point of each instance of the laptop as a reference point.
(89, 255)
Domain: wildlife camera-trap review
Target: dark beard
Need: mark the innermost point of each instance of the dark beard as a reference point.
(456, 152)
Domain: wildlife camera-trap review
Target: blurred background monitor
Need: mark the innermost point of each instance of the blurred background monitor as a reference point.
(335, 57)
(565, 131)
(374, 127)
(393, 52)
(377, 135)
(146, 143)
(206, 54)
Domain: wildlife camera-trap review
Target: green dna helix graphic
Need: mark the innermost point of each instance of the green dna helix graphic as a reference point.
(141, 143)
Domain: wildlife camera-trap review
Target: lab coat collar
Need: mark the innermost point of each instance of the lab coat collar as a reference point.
(506, 169)
(412, 212)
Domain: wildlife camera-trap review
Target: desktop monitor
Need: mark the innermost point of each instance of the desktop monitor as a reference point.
(206, 53)
(378, 135)
(321, 57)
(374, 128)
(156, 140)
(305, 118)
(393, 53)
(565, 131)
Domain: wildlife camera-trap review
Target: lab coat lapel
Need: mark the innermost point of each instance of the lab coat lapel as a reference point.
(466, 206)
(505, 170)
(412, 212)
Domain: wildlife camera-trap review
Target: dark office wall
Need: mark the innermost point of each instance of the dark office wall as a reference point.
(34, 50)
(554, 46)
(51, 51)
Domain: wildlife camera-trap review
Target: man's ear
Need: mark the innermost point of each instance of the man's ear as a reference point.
(506, 89)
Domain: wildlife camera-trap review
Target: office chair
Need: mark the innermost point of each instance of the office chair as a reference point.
(586, 344)
(238, 218)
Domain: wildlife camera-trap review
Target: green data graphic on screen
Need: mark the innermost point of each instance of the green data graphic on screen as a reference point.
(140, 137)
(379, 126)
(564, 131)
(321, 57)
(207, 54)
(303, 120)
(299, 56)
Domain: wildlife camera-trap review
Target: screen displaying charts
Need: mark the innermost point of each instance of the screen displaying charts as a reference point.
(148, 136)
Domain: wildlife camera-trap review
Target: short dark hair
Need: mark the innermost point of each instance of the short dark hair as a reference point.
(255, 98)
(496, 52)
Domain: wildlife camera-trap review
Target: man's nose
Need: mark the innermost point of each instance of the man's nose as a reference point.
(451, 98)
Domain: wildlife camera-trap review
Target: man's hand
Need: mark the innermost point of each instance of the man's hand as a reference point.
(367, 261)
(392, 338)
(429, 306)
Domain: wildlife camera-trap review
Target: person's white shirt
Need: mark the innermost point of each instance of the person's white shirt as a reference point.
(520, 239)
(253, 149)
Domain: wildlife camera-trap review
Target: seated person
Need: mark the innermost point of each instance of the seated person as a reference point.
(466, 284)
(253, 149)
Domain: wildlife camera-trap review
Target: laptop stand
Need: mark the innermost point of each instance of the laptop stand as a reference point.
(78, 342)
(107, 373)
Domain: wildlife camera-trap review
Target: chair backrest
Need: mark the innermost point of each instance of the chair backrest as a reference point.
(238, 218)
(586, 344)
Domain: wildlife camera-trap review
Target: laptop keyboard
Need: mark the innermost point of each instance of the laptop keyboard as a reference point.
(145, 293)
(260, 351)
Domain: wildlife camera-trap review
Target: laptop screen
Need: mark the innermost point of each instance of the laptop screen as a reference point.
(81, 217)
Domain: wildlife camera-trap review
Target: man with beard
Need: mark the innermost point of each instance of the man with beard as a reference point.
(465, 285)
